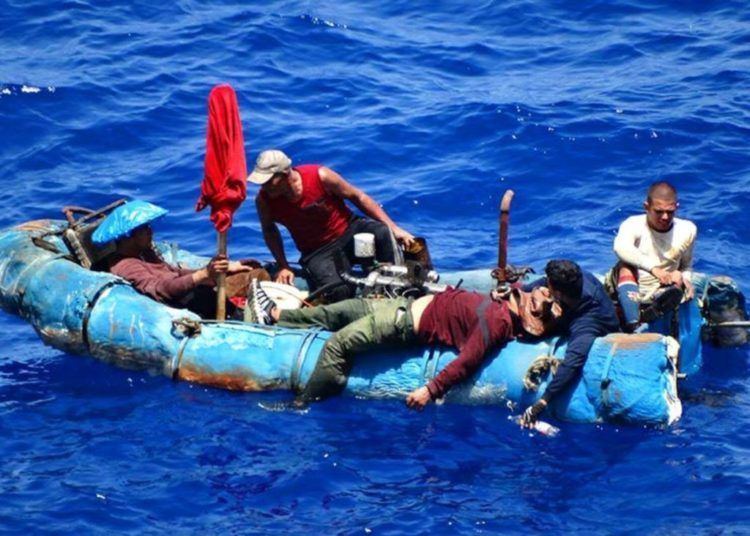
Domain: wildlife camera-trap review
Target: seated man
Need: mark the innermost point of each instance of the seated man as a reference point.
(471, 322)
(129, 225)
(309, 201)
(587, 313)
(656, 256)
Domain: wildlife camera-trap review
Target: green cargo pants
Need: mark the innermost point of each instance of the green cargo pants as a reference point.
(360, 324)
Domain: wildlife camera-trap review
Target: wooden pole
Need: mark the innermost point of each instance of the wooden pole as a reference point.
(221, 286)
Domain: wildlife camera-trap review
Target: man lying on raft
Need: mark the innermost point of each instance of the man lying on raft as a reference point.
(655, 252)
(471, 322)
(135, 260)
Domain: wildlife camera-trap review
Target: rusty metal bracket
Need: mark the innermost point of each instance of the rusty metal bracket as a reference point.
(88, 214)
(43, 243)
(502, 247)
(511, 274)
(501, 272)
(187, 328)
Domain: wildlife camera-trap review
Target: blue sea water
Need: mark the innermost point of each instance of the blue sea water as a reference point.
(434, 108)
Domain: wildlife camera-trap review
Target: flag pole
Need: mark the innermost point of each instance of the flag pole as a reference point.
(224, 174)
(221, 282)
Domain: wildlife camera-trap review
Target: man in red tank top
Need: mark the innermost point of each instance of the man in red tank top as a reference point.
(309, 200)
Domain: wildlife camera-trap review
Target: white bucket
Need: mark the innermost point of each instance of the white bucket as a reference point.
(364, 245)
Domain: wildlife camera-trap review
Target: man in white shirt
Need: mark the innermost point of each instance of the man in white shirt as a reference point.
(656, 258)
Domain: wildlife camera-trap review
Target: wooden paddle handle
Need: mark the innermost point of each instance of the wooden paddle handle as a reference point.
(221, 284)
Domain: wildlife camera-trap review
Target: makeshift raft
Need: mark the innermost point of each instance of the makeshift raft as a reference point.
(627, 378)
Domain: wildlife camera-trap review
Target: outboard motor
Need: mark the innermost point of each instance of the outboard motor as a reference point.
(723, 303)
(414, 278)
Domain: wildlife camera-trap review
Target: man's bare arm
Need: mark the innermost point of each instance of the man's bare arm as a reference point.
(335, 184)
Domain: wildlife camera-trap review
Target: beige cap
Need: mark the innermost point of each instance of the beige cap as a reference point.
(268, 163)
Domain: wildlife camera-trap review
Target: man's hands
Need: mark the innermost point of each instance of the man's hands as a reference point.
(285, 276)
(664, 277)
(674, 278)
(689, 289)
(207, 275)
(401, 236)
(219, 264)
(532, 413)
(419, 398)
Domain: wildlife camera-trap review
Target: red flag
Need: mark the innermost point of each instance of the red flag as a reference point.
(225, 170)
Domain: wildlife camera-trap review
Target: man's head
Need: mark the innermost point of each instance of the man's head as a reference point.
(271, 165)
(137, 240)
(565, 281)
(661, 205)
(538, 311)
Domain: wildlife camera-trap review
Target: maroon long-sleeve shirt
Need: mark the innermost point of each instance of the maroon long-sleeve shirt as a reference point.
(155, 278)
(472, 323)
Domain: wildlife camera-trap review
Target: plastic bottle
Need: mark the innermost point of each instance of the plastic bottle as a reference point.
(546, 428)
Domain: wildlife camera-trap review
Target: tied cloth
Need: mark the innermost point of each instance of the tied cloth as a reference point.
(224, 185)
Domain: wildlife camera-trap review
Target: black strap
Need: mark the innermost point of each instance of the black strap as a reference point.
(483, 321)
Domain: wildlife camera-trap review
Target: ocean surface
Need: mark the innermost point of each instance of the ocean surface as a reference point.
(435, 109)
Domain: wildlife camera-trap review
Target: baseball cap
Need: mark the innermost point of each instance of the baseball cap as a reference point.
(268, 163)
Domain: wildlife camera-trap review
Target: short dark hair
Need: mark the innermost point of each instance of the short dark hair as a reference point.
(566, 277)
(661, 190)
